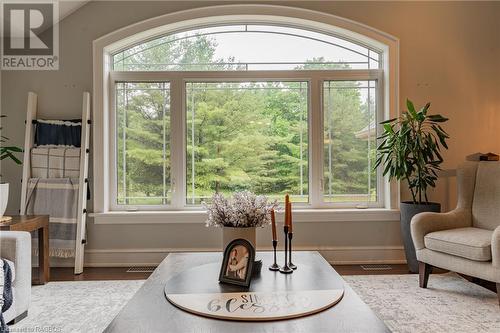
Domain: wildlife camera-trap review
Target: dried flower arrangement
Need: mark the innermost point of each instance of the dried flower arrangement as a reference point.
(244, 209)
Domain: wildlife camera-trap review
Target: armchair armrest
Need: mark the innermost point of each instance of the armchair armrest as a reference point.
(16, 247)
(495, 247)
(424, 223)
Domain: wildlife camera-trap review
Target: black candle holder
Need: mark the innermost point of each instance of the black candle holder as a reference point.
(290, 263)
(275, 266)
(285, 269)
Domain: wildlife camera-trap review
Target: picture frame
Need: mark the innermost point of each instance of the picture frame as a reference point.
(237, 264)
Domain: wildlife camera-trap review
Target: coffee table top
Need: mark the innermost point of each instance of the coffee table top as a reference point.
(150, 311)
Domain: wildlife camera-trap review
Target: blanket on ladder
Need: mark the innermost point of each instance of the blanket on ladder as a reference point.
(58, 198)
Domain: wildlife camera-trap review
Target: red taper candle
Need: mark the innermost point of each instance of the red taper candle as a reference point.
(287, 202)
(273, 224)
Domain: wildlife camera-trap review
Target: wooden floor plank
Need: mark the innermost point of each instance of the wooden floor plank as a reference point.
(120, 273)
(96, 273)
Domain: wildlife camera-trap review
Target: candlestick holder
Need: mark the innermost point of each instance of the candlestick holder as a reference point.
(285, 269)
(275, 266)
(290, 263)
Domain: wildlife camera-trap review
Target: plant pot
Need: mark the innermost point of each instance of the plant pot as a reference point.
(231, 233)
(408, 209)
(4, 197)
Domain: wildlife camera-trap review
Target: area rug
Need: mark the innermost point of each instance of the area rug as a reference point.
(449, 304)
(80, 306)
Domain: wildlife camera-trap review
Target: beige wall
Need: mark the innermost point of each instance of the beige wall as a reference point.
(450, 56)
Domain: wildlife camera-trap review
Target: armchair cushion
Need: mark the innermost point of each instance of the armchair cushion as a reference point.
(424, 223)
(470, 243)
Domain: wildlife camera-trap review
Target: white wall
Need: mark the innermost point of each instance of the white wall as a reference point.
(449, 56)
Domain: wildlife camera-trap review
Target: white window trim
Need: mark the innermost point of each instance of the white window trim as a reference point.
(198, 216)
(177, 82)
(232, 14)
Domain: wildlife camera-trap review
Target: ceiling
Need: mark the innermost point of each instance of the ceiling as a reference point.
(67, 7)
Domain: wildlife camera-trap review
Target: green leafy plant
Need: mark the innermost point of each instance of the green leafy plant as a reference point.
(8, 151)
(410, 149)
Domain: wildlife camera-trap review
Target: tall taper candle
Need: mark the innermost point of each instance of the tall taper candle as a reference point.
(290, 236)
(285, 269)
(287, 201)
(274, 266)
(290, 217)
(273, 224)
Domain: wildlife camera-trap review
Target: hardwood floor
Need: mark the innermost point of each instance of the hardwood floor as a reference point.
(96, 273)
(120, 273)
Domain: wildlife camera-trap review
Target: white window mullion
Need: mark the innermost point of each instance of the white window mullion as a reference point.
(316, 146)
(384, 189)
(113, 162)
(177, 150)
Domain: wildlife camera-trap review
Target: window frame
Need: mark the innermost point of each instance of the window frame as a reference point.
(178, 81)
(110, 43)
(369, 48)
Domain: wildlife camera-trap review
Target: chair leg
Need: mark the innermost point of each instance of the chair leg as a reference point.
(498, 293)
(423, 273)
(18, 318)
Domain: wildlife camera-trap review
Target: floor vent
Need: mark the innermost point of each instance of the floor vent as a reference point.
(376, 267)
(141, 269)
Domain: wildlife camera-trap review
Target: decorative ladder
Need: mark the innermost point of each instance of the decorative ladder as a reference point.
(29, 139)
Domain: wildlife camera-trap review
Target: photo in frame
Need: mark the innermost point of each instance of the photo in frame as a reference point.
(237, 264)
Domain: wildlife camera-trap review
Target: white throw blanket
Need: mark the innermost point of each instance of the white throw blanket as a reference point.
(49, 162)
(58, 198)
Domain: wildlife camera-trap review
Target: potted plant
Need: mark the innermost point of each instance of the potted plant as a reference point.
(6, 152)
(239, 215)
(410, 151)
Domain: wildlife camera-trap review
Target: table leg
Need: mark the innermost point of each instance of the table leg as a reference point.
(43, 255)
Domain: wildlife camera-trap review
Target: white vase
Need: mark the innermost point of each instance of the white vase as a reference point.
(231, 233)
(4, 197)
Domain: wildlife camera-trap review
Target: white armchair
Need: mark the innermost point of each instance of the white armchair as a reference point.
(15, 246)
(467, 239)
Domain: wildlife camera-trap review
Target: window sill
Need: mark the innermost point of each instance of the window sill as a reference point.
(300, 215)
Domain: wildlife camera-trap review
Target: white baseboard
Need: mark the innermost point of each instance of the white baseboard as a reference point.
(340, 255)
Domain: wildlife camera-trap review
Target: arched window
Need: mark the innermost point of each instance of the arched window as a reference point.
(237, 104)
(246, 47)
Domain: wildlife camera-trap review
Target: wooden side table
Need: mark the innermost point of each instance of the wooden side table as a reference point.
(31, 223)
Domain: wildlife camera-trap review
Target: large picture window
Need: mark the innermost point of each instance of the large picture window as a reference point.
(142, 143)
(247, 136)
(350, 141)
(269, 108)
